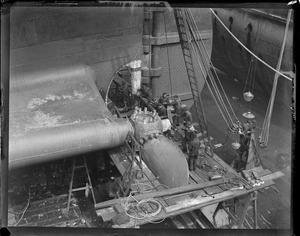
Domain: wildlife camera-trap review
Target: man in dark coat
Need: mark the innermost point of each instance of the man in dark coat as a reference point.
(177, 110)
(186, 115)
(193, 147)
(164, 99)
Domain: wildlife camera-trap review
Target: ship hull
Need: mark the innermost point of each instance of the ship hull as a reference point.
(60, 57)
(261, 33)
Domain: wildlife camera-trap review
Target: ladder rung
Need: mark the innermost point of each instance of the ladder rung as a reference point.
(78, 189)
(189, 62)
(79, 167)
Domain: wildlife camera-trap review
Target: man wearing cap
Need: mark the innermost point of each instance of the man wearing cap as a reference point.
(177, 109)
(186, 115)
(188, 129)
(193, 147)
(163, 99)
(245, 136)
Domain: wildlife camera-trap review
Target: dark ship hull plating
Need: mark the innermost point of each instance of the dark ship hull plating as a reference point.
(262, 32)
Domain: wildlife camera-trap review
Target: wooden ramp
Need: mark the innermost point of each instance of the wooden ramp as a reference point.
(183, 204)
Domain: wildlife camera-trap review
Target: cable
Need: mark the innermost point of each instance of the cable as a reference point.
(24, 209)
(211, 65)
(276, 71)
(224, 113)
(139, 213)
(264, 136)
(210, 76)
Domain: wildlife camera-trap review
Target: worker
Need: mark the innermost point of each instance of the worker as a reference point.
(145, 94)
(177, 109)
(186, 115)
(188, 128)
(242, 152)
(193, 148)
(164, 99)
(161, 109)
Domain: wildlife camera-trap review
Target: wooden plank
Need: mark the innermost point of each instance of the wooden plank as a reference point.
(196, 218)
(188, 221)
(173, 191)
(196, 177)
(199, 203)
(176, 222)
(141, 187)
(167, 202)
(114, 155)
(192, 204)
(272, 176)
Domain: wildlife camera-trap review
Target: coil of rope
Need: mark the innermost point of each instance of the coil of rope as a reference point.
(137, 209)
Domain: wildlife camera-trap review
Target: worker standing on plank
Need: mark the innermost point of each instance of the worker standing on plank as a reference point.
(188, 129)
(177, 109)
(193, 148)
(186, 115)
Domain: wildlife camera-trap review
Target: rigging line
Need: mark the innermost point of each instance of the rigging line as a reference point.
(211, 91)
(252, 66)
(169, 66)
(255, 61)
(267, 120)
(210, 63)
(266, 64)
(209, 88)
(216, 75)
(227, 120)
(210, 75)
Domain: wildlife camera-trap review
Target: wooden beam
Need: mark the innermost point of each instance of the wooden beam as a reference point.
(272, 176)
(173, 191)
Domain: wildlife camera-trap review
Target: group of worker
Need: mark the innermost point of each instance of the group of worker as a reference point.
(181, 115)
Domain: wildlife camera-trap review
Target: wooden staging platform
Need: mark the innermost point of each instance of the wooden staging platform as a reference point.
(183, 201)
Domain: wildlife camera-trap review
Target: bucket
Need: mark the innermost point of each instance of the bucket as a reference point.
(248, 115)
(248, 96)
(235, 145)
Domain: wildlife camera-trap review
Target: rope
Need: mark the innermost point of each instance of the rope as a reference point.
(222, 107)
(24, 209)
(264, 135)
(253, 64)
(212, 66)
(137, 208)
(210, 90)
(276, 71)
(207, 60)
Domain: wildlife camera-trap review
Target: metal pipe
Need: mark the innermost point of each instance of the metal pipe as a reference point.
(166, 161)
(5, 59)
(59, 115)
(147, 28)
(158, 29)
(66, 141)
